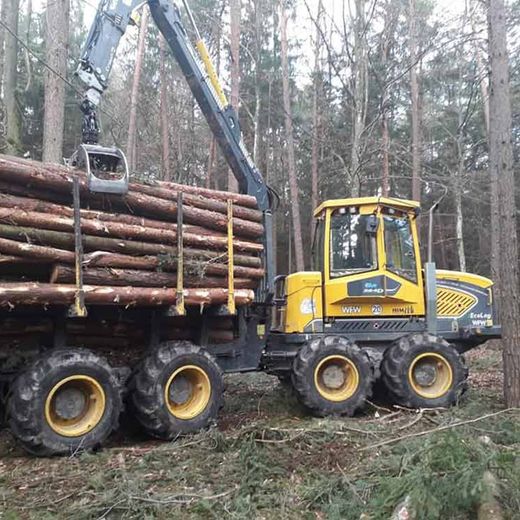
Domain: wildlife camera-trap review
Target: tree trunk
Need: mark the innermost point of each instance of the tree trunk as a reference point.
(414, 89)
(165, 129)
(501, 167)
(234, 11)
(28, 66)
(3, 17)
(316, 95)
(459, 227)
(388, 35)
(131, 145)
(291, 162)
(56, 53)
(360, 95)
(257, 139)
(11, 78)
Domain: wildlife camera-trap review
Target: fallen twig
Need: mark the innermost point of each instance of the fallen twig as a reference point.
(182, 498)
(440, 428)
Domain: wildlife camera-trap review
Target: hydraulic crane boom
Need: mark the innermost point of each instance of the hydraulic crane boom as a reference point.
(111, 22)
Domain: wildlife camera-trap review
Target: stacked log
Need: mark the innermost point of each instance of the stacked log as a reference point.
(130, 241)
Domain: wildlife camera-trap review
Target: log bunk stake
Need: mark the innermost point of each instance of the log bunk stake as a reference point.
(179, 306)
(231, 281)
(78, 310)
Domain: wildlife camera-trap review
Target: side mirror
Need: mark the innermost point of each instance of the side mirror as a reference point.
(372, 225)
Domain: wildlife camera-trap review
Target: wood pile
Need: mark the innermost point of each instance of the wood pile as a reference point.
(129, 241)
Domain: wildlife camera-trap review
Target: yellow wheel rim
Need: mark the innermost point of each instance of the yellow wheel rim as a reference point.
(336, 378)
(75, 406)
(430, 375)
(187, 392)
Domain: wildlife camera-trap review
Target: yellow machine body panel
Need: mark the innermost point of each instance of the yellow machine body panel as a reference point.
(368, 265)
(304, 298)
(464, 299)
(458, 276)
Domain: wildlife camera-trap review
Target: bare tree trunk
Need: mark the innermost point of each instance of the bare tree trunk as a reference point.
(501, 167)
(13, 124)
(388, 34)
(56, 53)
(27, 42)
(211, 180)
(459, 227)
(316, 118)
(3, 17)
(360, 93)
(211, 162)
(482, 69)
(131, 146)
(165, 130)
(258, 92)
(291, 162)
(484, 85)
(235, 8)
(3, 118)
(414, 89)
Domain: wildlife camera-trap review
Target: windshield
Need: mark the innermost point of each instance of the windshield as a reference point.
(352, 248)
(400, 253)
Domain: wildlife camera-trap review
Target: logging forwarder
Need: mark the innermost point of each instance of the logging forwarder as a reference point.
(368, 311)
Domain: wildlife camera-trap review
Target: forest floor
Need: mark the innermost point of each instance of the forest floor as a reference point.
(267, 459)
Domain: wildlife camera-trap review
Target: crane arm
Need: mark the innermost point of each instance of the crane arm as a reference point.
(112, 19)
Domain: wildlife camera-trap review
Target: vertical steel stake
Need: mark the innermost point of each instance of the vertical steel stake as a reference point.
(179, 307)
(231, 279)
(79, 309)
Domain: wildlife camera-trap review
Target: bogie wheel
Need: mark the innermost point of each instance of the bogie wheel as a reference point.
(67, 401)
(177, 389)
(332, 376)
(424, 371)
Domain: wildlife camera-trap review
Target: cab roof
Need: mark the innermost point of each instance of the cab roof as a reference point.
(402, 204)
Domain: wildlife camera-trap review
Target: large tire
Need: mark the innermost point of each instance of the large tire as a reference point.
(332, 376)
(177, 389)
(68, 400)
(424, 371)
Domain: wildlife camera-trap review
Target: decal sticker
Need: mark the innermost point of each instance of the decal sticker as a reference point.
(404, 309)
(308, 306)
(374, 286)
(480, 319)
(377, 309)
(351, 309)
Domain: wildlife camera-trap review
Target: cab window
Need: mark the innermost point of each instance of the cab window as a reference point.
(352, 247)
(399, 246)
(317, 245)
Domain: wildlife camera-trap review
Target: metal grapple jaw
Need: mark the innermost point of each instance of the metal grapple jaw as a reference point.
(106, 168)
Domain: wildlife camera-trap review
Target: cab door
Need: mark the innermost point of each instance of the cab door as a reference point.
(372, 264)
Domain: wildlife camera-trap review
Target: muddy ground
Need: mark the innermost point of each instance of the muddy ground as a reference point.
(267, 459)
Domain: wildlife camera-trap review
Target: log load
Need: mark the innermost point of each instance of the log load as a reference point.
(129, 242)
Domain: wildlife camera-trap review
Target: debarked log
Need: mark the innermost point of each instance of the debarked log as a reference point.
(123, 277)
(38, 220)
(12, 294)
(45, 254)
(10, 163)
(65, 241)
(55, 177)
